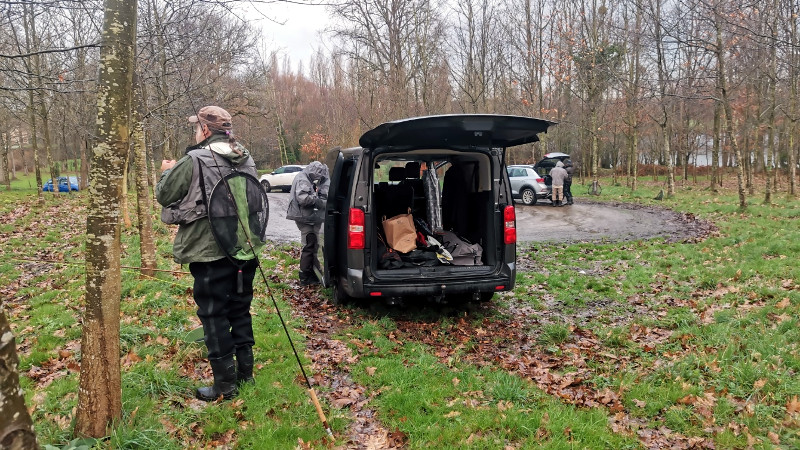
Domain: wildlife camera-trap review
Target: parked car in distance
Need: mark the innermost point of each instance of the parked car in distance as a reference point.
(526, 184)
(448, 171)
(65, 184)
(281, 178)
(548, 162)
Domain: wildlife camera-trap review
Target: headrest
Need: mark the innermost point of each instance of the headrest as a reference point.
(412, 169)
(397, 173)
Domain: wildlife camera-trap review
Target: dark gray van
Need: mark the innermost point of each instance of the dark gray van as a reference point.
(450, 172)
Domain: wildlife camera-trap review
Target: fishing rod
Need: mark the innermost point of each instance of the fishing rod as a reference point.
(247, 235)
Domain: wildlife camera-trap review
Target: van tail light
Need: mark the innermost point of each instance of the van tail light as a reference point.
(509, 225)
(355, 230)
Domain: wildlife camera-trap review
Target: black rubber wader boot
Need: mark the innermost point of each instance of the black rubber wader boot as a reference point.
(308, 278)
(244, 365)
(224, 370)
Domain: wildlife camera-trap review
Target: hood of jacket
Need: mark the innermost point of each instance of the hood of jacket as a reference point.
(316, 172)
(559, 164)
(218, 143)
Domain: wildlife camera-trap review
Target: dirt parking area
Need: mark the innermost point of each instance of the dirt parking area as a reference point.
(580, 222)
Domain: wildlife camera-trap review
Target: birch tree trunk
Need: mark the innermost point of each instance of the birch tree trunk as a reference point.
(100, 392)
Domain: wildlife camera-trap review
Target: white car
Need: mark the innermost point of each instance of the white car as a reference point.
(281, 178)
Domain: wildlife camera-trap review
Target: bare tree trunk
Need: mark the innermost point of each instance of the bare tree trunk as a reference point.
(144, 202)
(6, 151)
(772, 82)
(723, 87)
(100, 393)
(793, 79)
(11, 157)
(126, 216)
(715, 176)
(16, 429)
(35, 145)
(634, 75)
(27, 14)
(662, 87)
(84, 164)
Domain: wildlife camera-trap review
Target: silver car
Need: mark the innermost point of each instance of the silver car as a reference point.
(526, 184)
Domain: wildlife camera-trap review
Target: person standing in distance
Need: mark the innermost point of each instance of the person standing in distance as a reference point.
(309, 195)
(223, 309)
(568, 181)
(558, 174)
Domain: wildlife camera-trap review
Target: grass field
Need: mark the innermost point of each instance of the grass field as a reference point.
(602, 345)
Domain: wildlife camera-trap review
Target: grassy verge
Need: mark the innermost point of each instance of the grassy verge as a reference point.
(610, 345)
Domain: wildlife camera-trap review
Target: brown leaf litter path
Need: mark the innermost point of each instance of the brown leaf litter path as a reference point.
(503, 334)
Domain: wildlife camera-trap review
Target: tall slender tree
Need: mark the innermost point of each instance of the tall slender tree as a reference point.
(100, 393)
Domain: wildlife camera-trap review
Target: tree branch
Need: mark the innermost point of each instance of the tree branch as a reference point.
(52, 50)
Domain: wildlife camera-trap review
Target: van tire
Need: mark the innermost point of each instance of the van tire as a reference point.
(528, 196)
(340, 297)
(486, 297)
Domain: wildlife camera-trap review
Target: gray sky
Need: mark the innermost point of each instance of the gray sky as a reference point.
(299, 36)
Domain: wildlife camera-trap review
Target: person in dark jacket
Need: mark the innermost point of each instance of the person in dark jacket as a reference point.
(222, 309)
(309, 195)
(568, 181)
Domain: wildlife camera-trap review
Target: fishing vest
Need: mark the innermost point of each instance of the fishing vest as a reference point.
(207, 170)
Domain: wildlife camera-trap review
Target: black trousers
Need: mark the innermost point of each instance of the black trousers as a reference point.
(568, 191)
(225, 314)
(309, 238)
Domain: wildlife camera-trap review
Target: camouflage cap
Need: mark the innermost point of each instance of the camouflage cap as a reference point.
(215, 117)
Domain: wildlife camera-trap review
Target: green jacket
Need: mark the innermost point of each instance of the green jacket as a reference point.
(194, 241)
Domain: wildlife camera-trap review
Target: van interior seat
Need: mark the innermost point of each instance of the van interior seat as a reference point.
(412, 178)
(393, 199)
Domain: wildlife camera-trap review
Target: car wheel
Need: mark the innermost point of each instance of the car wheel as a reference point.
(266, 185)
(528, 196)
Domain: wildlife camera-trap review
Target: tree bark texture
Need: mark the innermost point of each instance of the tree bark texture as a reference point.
(16, 426)
(99, 394)
(144, 202)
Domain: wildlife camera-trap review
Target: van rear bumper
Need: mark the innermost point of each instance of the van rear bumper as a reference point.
(425, 284)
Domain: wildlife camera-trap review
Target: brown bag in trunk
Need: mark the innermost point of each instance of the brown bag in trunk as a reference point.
(400, 232)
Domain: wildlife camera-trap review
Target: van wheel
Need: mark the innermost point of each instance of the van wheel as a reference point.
(528, 196)
(486, 296)
(266, 185)
(340, 297)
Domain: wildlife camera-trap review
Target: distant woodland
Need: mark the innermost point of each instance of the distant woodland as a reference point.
(639, 86)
